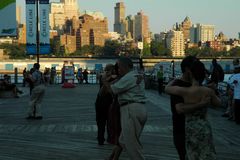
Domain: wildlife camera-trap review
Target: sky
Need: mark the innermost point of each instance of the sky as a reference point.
(163, 14)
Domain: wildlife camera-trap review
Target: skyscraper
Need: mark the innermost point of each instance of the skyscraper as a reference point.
(202, 33)
(70, 8)
(141, 27)
(18, 14)
(175, 42)
(130, 28)
(57, 15)
(185, 27)
(119, 18)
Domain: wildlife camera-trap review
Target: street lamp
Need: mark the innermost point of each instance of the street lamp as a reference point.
(37, 31)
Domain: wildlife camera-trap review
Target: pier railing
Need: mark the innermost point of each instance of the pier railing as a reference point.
(17, 77)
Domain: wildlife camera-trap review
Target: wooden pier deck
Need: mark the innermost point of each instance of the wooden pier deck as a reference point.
(68, 128)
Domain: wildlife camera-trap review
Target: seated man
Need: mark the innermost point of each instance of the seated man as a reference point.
(7, 86)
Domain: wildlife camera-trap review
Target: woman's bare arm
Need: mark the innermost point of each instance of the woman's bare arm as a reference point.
(215, 100)
(175, 90)
(189, 108)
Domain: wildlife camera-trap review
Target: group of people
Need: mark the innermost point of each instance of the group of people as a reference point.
(233, 92)
(82, 76)
(192, 133)
(120, 105)
(189, 98)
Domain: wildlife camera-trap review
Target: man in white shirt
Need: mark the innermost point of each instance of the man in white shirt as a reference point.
(131, 98)
(235, 82)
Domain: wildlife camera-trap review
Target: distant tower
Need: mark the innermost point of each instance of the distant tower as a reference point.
(202, 33)
(175, 42)
(141, 27)
(18, 14)
(185, 27)
(239, 35)
(119, 20)
(130, 25)
(70, 8)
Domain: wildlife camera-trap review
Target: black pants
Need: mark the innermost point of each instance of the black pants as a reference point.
(102, 126)
(179, 135)
(237, 110)
(160, 86)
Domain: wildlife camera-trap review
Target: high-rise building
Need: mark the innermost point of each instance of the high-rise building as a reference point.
(119, 18)
(61, 11)
(68, 42)
(239, 35)
(56, 16)
(202, 33)
(221, 37)
(130, 27)
(141, 27)
(185, 27)
(70, 8)
(92, 31)
(18, 14)
(175, 42)
(22, 34)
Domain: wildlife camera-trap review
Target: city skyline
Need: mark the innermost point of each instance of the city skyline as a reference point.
(219, 13)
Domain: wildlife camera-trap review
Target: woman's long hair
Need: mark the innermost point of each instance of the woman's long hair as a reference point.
(198, 71)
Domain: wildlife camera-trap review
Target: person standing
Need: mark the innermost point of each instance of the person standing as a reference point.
(160, 79)
(85, 76)
(53, 74)
(79, 76)
(24, 76)
(199, 139)
(178, 119)
(34, 110)
(217, 75)
(133, 114)
(102, 106)
(235, 82)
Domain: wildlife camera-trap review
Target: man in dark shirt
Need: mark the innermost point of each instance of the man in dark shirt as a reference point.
(179, 119)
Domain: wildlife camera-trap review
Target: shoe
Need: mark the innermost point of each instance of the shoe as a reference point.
(21, 92)
(30, 117)
(38, 117)
(225, 115)
(230, 118)
(100, 142)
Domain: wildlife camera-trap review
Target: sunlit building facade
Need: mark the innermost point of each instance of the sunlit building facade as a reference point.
(175, 42)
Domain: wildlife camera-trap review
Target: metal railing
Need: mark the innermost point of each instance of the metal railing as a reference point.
(17, 78)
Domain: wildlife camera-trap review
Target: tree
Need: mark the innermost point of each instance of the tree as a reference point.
(111, 48)
(158, 49)
(96, 50)
(15, 51)
(235, 52)
(85, 50)
(195, 51)
(146, 50)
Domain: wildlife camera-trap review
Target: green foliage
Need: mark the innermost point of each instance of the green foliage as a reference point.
(146, 50)
(15, 51)
(158, 49)
(134, 52)
(201, 52)
(235, 52)
(111, 48)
